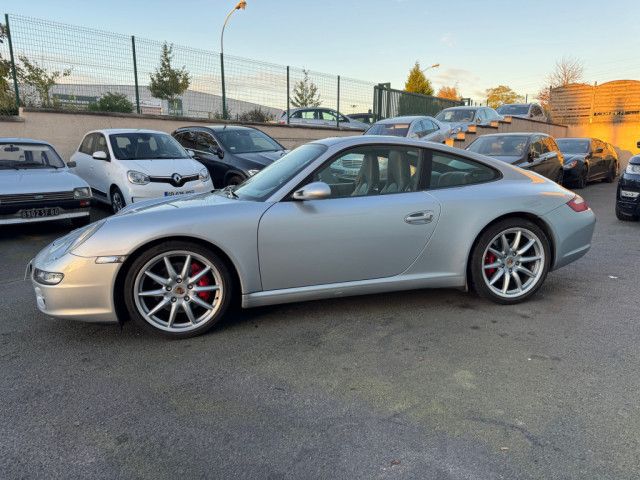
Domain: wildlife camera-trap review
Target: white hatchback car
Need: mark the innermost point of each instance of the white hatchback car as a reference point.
(124, 166)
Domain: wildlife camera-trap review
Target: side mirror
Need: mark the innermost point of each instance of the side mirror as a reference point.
(638, 144)
(217, 151)
(479, 120)
(533, 155)
(191, 153)
(313, 191)
(100, 155)
(71, 164)
(597, 150)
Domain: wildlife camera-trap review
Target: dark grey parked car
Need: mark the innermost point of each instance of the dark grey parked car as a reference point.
(461, 117)
(530, 111)
(415, 126)
(231, 153)
(537, 152)
(587, 159)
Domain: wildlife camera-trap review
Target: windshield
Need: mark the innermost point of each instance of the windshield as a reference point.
(247, 141)
(264, 183)
(394, 129)
(513, 109)
(568, 145)
(500, 145)
(456, 115)
(28, 155)
(145, 146)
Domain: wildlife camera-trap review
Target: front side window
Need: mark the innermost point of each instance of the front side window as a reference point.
(376, 170)
(205, 141)
(536, 145)
(452, 171)
(87, 144)
(187, 139)
(101, 144)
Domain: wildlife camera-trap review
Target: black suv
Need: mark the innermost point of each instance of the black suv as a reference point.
(231, 153)
(628, 194)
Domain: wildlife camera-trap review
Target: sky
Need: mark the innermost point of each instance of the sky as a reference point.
(478, 44)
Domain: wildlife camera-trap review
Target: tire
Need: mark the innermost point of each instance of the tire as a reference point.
(81, 221)
(583, 178)
(560, 177)
(234, 180)
(165, 291)
(613, 173)
(525, 262)
(623, 217)
(117, 200)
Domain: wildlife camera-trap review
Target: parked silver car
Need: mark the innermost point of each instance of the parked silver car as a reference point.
(443, 217)
(414, 126)
(320, 117)
(36, 185)
(461, 117)
(530, 111)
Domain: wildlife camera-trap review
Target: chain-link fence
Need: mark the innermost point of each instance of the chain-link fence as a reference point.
(71, 67)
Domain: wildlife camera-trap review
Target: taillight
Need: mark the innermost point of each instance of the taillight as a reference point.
(578, 204)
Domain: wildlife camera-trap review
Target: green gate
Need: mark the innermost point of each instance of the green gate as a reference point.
(388, 103)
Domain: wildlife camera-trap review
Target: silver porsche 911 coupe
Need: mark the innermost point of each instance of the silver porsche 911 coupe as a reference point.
(298, 230)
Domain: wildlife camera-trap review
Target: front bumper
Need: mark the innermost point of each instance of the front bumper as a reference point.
(627, 205)
(85, 293)
(572, 174)
(140, 193)
(30, 212)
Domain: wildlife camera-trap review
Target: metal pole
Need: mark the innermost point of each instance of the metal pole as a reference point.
(13, 62)
(288, 109)
(338, 106)
(224, 102)
(135, 72)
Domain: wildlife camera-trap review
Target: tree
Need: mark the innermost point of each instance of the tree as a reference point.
(112, 102)
(417, 82)
(256, 115)
(168, 83)
(502, 94)
(7, 97)
(33, 75)
(567, 71)
(305, 93)
(449, 92)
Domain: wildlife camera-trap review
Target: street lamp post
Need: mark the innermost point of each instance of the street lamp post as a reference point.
(241, 5)
(435, 65)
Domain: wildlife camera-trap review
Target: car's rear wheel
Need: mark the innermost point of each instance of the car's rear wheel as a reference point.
(583, 178)
(510, 261)
(613, 173)
(117, 200)
(177, 289)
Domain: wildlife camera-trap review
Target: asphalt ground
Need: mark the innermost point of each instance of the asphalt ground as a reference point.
(430, 384)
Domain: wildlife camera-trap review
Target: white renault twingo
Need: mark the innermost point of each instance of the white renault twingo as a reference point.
(125, 166)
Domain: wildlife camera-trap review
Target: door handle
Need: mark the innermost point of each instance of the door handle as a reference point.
(419, 218)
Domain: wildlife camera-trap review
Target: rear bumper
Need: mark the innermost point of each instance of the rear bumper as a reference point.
(572, 234)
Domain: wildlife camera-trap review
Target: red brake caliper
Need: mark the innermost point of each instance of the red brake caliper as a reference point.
(203, 282)
(489, 259)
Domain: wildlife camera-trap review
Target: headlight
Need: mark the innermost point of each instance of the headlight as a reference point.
(47, 278)
(73, 240)
(253, 172)
(629, 194)
(572, 164)
(204, 174)
(457, 129)
(633, 168)
(138, 178)
(82, 192)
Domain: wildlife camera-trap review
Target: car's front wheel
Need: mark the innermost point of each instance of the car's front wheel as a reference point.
(612, 174)
(510, 261)
(177, 289)
(583, 178)
(235, 180)
(117, 200)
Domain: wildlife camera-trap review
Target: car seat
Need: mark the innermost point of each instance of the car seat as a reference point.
(368, 177)
(398, 174)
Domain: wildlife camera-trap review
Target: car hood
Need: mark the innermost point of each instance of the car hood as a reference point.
(262, 158)
(39, 180)
(571, 157)
(164, 167)
(508, 159)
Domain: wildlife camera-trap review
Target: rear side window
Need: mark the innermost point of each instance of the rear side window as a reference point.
(452, 171)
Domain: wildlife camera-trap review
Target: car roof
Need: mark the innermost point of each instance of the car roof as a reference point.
(513, 134)
(576, 138)
(405, 118)
(109, 131)
(518, 104)
(23, 140)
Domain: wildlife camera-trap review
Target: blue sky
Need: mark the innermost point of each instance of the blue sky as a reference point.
(478, 44)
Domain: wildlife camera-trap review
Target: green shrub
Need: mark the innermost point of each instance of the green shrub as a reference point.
(112, 102)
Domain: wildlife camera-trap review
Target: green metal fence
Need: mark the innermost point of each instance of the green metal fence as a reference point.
(394, 103)
(78, 66)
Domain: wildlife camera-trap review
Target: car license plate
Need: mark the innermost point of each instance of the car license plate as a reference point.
(182, 192)
(40, 212)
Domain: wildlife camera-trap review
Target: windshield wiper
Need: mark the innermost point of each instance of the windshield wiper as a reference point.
(229, 191)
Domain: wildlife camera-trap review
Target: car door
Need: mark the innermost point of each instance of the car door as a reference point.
(217, 166)
(432, 131)
(102, 172)
(536, 159)
(551, 154)
(360, 232)
(598, 163)
(83, 157)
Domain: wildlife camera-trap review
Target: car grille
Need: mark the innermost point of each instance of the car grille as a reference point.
(178, 181)
(351, 162)
(31, 197)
